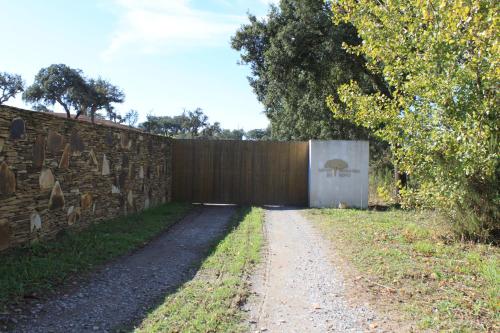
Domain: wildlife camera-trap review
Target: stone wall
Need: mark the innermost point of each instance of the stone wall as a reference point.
(58, 174)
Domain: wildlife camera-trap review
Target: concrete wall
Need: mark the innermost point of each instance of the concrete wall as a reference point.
(338, 173)
(58, 174)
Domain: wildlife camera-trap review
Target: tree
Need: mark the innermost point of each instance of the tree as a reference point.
(97, 95)
(259, 134)
(41, 108)
(189, 125)
(131, 118)
(194, 121)
(226, 134)
(212, 131)
(68, 87)
(165, 125)
(57, 84)
(10, 86)
(442, 59)
(297, 59)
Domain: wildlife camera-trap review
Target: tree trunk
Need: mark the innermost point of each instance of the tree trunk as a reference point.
(92, 114)
(401, 180)
(65, 107)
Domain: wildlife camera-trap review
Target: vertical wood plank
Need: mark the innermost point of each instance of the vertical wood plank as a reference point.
(241, 172)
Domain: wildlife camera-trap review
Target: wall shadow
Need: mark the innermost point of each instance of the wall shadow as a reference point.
(120, 295)
(192, 264)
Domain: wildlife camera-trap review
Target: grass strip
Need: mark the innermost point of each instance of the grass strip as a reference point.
(42, 266)
(211, 301)
(412, 261)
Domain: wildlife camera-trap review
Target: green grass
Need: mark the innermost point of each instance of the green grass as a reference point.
(211, 301)
(412, 261)
(42, 266)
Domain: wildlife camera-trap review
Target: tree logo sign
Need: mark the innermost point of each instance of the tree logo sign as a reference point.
(337, 168)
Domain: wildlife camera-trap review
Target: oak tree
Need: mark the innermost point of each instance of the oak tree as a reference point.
(57, 83)
(10, 86)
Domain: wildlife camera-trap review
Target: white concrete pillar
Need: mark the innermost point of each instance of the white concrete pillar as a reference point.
(338, 173)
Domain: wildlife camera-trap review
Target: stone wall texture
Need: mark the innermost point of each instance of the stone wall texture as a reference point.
(58, 174)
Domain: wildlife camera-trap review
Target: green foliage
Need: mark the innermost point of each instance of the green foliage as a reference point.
(69, 88)
(297, 60)
(42, 266)
(259, 134)
(190, 125)
(210, 302)
(131, 118)
(440, 58)
(10, 86)
(226, 134)
(56, 84)
(98, 95)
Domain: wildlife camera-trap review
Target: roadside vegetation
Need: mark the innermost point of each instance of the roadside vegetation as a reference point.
(30, 271)
(211, 301)
(413, 264)
(419, 79)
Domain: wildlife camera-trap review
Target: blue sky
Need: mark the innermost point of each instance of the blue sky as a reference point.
(165, 54)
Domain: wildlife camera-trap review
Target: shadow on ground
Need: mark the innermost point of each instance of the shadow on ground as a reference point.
(120, 294)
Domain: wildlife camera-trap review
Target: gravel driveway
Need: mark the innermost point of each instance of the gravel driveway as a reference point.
(298, 288)
(122, 292)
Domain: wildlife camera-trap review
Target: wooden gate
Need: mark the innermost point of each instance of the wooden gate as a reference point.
(240, 172)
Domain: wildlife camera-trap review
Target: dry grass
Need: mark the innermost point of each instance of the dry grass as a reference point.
(414, 264)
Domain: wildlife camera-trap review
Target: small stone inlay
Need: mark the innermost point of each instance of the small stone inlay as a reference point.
(35, 222)
(86, 201)
(39, 151)
(46, 179)
(7, 180)
(77, 145)
(109, 138)
(54, 142)
(56, 197)
(105, 166)
(124, 140)
(64, 163)
(130, 199)
(17, 129)
(93, 161)
(73, 215)
(141, 172)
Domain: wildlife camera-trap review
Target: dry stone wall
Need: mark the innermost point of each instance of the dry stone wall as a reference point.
(58, 174)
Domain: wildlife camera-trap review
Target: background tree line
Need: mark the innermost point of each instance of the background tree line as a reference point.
(195, 125)
(82, 96)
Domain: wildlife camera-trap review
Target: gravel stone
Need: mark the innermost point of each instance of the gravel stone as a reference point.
(298, 289)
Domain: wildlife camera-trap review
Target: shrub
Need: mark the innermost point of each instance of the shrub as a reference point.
(440, 59)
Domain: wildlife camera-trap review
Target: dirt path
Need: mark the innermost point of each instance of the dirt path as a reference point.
(123, 291)
(299, 289)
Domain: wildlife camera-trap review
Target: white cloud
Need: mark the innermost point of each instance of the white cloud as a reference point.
(166, 25)
(268, 2)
